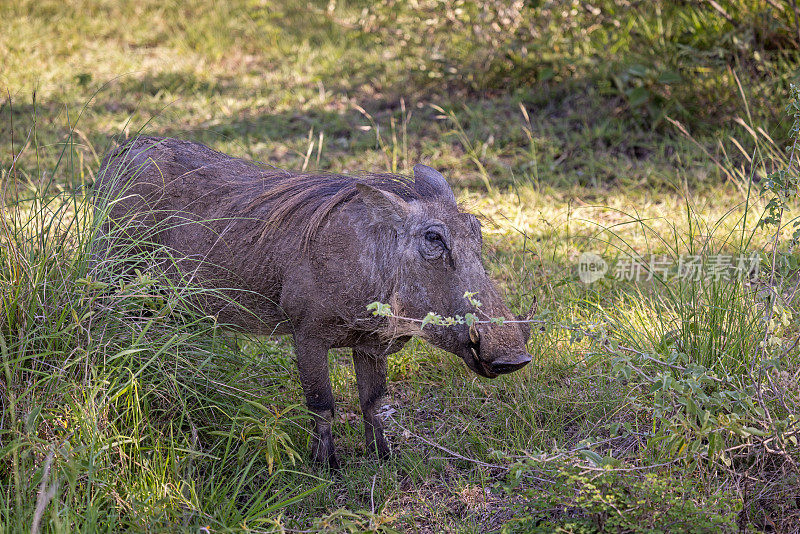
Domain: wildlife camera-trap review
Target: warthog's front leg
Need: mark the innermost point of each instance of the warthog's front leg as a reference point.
(371, 379)
(312, 360)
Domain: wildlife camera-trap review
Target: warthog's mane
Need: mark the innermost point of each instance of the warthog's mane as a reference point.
(278, 199)
(305, 200)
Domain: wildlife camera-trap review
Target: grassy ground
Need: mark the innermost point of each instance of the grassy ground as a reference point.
(661, 405)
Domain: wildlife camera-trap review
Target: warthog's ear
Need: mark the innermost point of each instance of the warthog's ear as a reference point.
(430, 181)
(385, 205)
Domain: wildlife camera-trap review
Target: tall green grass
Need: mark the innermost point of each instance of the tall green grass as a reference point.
(123, 407)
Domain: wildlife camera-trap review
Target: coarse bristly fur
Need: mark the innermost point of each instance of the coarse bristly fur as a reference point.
(306, 253)
(304, 200)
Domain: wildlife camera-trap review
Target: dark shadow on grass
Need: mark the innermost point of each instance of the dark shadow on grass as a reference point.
(579, 137)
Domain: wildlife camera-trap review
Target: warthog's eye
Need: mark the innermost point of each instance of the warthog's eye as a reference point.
(434, 243)
(432, 237)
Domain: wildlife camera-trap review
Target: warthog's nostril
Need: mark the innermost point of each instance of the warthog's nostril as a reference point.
(507, 367)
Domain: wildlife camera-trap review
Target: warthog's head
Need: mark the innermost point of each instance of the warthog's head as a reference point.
(437, 259)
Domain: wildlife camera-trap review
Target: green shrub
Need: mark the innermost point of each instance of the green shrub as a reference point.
(585, 501)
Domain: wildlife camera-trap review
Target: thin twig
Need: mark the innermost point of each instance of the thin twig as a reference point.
(721, 11)
(448, 451)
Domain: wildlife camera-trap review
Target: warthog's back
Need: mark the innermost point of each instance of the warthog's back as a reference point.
(235, 226)
(196, 205)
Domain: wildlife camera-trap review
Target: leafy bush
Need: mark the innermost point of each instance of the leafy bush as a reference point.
(580, 500)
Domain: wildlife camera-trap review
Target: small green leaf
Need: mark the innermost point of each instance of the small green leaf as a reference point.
(753, 431)
(595, 458)
(638, 96)
(380, 309)
(431, 318)
(545, 74)
(668, 77)
(637, 70)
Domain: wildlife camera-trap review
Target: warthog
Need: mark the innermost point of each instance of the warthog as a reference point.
(305, 254)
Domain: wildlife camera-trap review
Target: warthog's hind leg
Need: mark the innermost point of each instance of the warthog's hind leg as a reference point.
(312, 361)
(371, 378)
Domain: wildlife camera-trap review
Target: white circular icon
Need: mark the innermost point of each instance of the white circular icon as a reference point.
(591, 267)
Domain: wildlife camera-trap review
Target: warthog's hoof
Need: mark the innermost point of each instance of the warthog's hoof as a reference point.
(379, 447)
(323, 452)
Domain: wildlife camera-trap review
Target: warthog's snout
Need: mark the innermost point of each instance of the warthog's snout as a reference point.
(481, 362)
(495, 368)
(507, 367)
